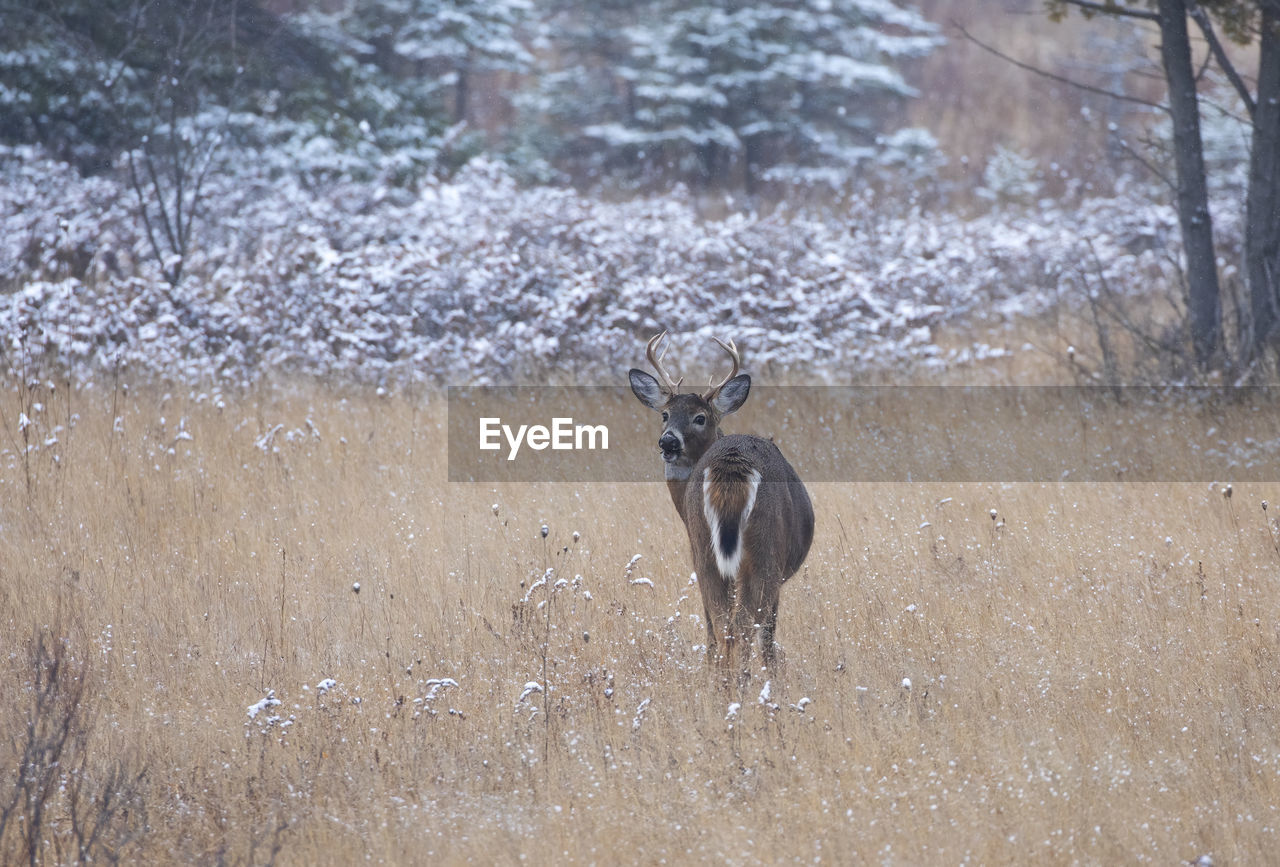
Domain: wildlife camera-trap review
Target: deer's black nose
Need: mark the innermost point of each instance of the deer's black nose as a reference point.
(669, 443)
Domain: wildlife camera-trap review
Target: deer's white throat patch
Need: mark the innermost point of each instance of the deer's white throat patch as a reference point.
(727, 530)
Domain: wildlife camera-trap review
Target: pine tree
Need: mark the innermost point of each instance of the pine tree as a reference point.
(445, 42)
(728, 91)
(582, 45)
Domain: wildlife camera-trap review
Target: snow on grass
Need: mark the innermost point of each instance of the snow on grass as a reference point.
(638, 720)
(530, 688)
(262, 714)
(266, 703)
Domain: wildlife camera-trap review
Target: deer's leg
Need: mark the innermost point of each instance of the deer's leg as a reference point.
(715, 605)
(767, 627)
(715, 653)
(750, 615)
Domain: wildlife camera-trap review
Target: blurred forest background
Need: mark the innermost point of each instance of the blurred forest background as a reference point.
(946, 109)
(611, 95)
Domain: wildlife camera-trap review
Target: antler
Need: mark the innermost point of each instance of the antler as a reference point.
(655, 359)
(732, 349)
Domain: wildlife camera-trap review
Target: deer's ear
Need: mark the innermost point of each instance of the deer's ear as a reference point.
(733, 394)
(647, 389)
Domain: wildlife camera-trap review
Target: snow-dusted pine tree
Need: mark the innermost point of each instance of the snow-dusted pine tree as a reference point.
(729, 92)
(581, 43)
(447, 41)
(466, 37)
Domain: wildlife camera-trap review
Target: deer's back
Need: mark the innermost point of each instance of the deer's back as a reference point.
(740, 472)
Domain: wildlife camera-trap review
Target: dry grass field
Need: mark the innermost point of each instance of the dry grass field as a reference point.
(1093, 672)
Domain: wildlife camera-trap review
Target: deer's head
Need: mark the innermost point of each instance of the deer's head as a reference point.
(690, 422)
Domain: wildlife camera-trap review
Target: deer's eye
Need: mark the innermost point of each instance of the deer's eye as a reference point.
(666, 417)
(699, 419)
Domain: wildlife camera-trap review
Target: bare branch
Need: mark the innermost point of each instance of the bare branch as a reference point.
(1112, 9)
(177, 168)
(149, 163)
(140, 190)
(1148, 165)
(1044, 73)
(1204, 67)
(1201, 18)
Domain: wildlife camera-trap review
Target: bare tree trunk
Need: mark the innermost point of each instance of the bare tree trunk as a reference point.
(463, 90)
(709, 163)
(1262, 223)
(1204, 307)
(750, 159)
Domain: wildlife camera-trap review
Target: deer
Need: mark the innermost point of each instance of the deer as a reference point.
(748, 515)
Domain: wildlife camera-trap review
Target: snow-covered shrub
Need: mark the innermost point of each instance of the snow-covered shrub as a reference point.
(475, 279)
(1010, 177)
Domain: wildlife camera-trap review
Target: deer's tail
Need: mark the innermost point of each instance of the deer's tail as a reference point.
(728, 495)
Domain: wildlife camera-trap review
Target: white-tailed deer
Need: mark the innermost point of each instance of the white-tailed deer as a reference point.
(748, 514)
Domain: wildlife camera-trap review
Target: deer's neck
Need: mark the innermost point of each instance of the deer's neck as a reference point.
(677, 489)
(678, 475)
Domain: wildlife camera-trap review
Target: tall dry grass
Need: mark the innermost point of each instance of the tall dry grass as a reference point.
(1092, 672)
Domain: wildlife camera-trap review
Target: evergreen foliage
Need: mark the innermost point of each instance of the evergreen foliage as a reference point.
(727, 92)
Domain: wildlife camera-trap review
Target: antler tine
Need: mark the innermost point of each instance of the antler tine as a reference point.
(732, 349)
(655, 359)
